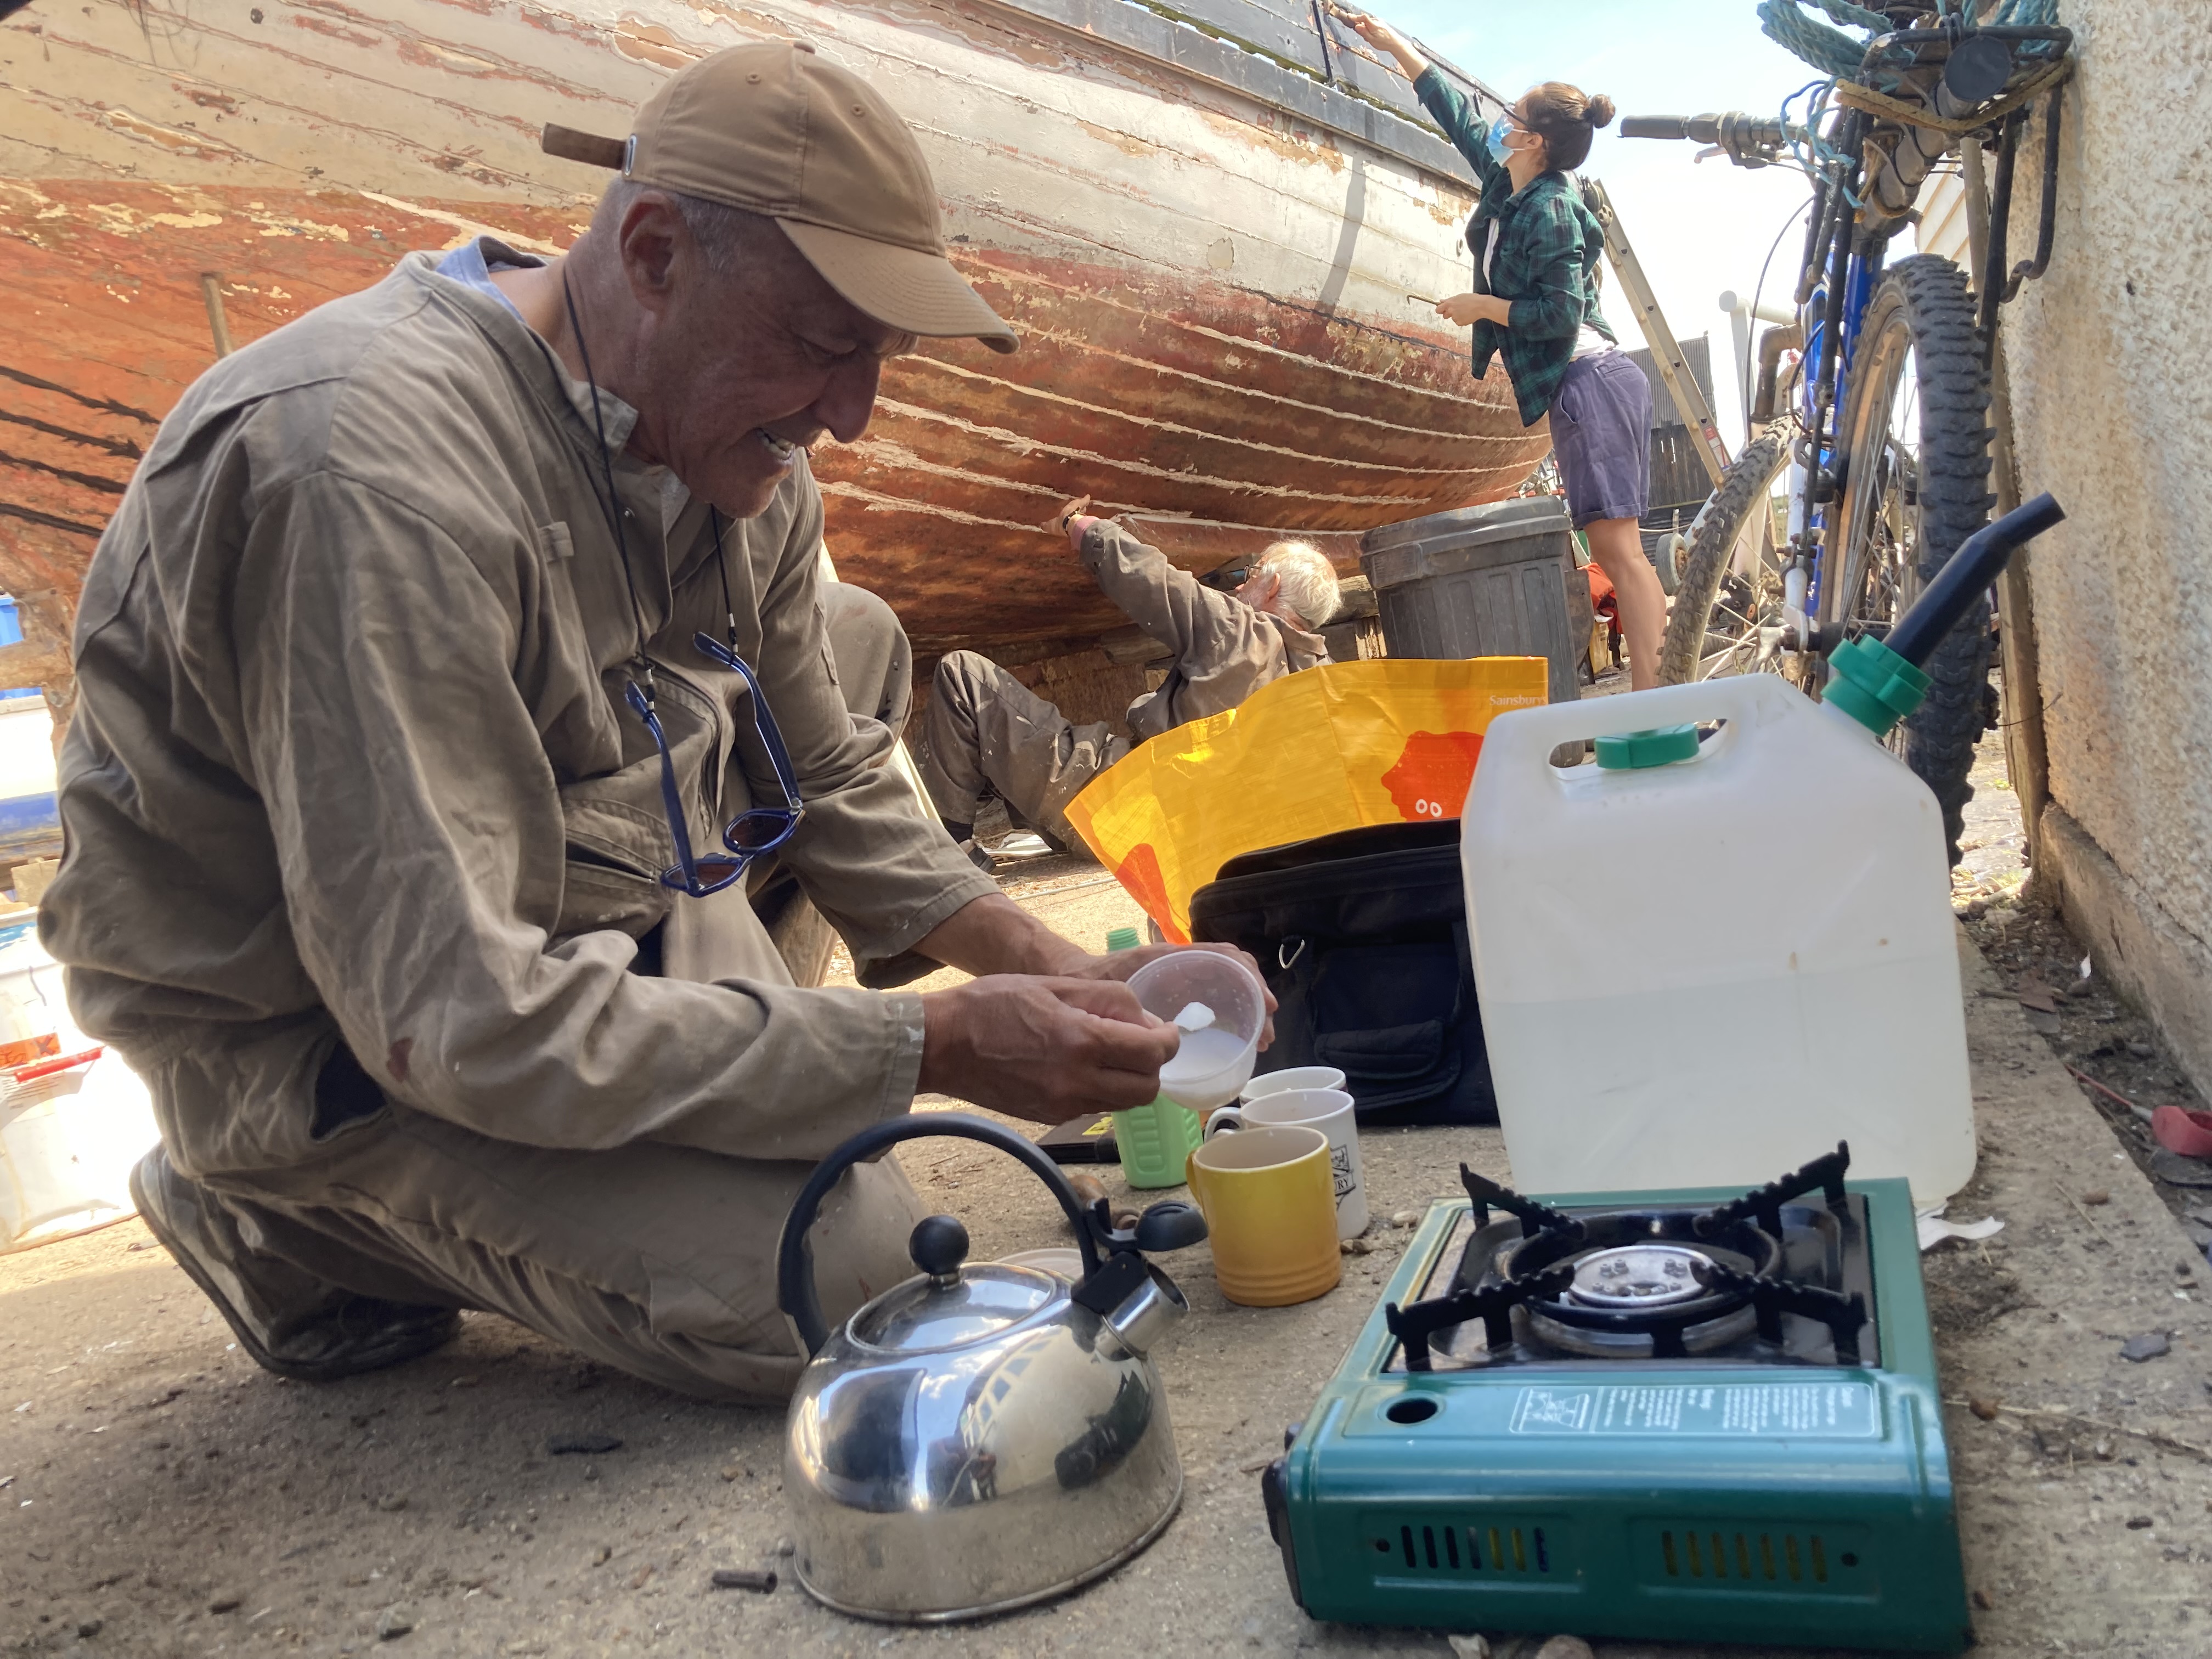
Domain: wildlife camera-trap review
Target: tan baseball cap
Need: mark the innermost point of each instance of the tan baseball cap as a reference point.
(776, 130)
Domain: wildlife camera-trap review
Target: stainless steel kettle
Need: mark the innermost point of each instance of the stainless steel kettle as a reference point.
(982, 1436)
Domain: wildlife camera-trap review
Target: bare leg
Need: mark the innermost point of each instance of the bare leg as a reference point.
(1618, 550)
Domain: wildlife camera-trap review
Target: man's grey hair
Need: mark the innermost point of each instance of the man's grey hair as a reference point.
(1305, 582)
(728, 237)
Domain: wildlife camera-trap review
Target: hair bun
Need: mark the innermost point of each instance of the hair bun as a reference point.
(1601, 110)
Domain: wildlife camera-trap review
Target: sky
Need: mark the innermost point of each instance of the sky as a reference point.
(1698, 227)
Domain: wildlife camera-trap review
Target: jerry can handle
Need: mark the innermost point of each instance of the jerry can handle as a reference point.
(795, 1291)
(1521, 739)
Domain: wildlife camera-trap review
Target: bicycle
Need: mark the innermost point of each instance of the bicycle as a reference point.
(1887, 437)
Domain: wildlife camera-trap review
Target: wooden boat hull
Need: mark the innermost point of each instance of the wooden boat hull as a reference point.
(1208, 258)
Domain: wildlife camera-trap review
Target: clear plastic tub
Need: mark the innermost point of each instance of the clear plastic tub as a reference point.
(1223, 1008)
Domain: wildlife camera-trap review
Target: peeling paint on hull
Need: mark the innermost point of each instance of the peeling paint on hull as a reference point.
(1212, 295)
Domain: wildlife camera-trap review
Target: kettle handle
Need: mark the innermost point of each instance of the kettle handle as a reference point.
(795, 1293)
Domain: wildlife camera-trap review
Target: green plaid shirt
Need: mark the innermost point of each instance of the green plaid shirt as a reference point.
(1548, 246)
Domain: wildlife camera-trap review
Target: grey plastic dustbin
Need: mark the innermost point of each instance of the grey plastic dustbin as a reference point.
(1480, 582)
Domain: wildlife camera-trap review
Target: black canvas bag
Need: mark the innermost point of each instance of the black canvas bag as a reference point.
(1362, 936)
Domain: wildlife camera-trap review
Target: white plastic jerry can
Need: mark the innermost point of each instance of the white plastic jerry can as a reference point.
(1702, 964)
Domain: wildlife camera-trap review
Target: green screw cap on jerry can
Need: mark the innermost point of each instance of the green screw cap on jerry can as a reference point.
(1873, 685)
(1631, 752)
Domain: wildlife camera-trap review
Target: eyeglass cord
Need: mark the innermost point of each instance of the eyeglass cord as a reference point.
(615, 513)
(722, 560)
(615, 507)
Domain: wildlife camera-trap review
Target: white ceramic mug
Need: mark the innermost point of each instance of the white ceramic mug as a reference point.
(1299, 1077)
(1328, 1110)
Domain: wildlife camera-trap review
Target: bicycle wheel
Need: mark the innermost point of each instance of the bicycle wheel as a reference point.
(1916, 436)
(1700, 629)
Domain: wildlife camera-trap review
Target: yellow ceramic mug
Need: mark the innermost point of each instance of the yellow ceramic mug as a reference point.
(1270, 1204)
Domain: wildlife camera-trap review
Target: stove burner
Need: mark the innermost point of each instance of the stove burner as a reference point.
(1635, 1290)
(1639, 1276)
(1666, 1283)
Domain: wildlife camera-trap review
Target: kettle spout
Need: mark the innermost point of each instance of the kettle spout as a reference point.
(1148, 1312)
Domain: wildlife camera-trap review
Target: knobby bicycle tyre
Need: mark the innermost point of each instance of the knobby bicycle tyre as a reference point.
(1743, 490)
(1925, 302)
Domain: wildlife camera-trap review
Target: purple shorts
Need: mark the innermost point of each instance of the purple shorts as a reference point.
(1601, 437)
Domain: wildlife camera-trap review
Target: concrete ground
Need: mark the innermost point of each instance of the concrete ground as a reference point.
(161, 1496)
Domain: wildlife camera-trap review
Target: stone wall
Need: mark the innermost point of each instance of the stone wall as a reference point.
(2109, 357)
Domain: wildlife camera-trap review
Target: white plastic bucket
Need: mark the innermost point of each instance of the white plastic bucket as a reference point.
(33, 1003)
(68, 1140)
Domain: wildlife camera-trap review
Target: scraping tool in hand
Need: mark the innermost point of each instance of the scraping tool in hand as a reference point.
(1057, 525)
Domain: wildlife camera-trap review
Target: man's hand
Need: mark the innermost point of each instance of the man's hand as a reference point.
(1468, 309)
(1044, 1050)
(1048, 1032)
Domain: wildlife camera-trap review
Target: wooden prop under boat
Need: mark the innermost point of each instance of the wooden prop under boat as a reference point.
(1205, 218)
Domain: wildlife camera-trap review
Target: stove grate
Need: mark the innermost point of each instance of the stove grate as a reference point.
(1826, 1172)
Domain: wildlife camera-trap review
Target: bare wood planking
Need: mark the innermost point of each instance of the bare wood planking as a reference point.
(1207, 254)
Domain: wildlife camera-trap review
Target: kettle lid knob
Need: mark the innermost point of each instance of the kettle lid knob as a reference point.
(938, 1244)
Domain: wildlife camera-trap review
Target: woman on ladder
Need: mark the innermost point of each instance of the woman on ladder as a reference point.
(1536, 249)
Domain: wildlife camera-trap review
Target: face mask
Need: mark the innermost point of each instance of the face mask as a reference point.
(1498, 130)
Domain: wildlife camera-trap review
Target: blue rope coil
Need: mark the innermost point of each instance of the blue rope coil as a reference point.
(1826, 48)
(1847, 57)
(2026, 14)
(1843, 11)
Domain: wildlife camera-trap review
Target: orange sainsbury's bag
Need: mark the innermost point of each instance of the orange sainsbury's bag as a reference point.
(1382, 741)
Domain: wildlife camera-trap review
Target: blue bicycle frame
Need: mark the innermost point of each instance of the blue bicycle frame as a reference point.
(1860, 275)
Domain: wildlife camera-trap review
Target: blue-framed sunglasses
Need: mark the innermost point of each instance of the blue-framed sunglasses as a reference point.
(749, 835)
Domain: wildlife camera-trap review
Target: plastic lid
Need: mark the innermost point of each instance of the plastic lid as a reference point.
(1873, 685)
(927, 1314)
(1631, 752)
(1121, 938)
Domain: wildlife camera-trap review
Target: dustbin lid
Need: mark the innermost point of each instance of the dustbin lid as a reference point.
(1439, 544)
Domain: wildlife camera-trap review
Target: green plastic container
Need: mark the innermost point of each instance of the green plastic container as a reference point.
(1155, 1141)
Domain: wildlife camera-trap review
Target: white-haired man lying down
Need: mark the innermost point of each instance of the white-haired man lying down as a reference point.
(987, 731)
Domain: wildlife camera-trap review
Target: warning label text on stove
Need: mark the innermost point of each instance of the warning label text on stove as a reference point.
(1825, 1411)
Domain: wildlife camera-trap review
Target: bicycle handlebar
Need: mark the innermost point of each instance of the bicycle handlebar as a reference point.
(1735, 130)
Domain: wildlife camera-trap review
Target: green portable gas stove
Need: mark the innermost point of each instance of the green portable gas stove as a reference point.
(1669, 1415)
